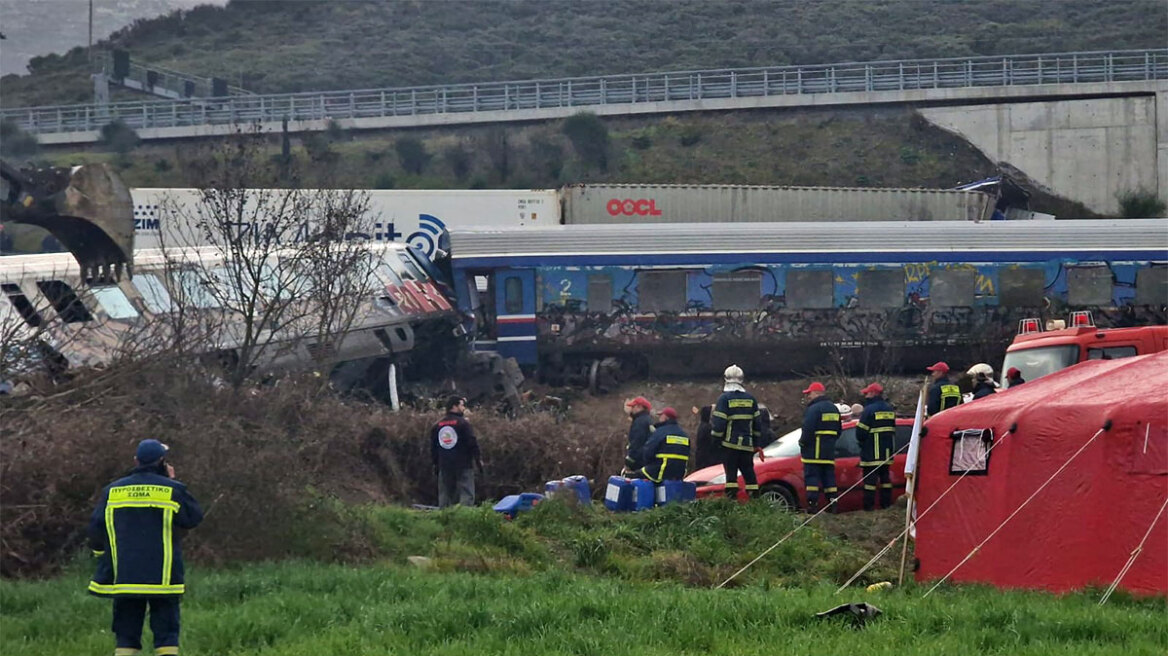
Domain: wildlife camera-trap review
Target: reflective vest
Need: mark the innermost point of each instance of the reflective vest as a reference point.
(132, 533)
(821, 428)
(943, 395)
(876, 433)
(666, 453)
(736, 421)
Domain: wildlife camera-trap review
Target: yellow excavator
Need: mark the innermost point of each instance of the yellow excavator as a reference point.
(87, 208)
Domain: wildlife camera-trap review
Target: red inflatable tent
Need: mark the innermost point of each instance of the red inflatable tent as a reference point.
(1082, 527)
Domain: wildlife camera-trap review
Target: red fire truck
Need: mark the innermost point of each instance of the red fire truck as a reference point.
(1036, 352)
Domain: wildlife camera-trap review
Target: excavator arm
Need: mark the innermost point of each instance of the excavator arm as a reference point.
(87, 208)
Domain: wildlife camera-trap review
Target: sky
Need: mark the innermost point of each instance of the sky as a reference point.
(39, 27)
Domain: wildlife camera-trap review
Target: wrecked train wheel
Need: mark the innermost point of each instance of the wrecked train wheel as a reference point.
(605, 375)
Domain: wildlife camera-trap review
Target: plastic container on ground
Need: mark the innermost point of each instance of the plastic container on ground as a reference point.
(573, 485)
(676, 492)
(513, 504)
(644, 494)
(587, 204)
(618, 496)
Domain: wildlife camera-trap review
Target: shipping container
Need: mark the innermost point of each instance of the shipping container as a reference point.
(586, 204)
(416, 217)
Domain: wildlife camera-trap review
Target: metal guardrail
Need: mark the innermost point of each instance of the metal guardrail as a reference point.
(1005, 71)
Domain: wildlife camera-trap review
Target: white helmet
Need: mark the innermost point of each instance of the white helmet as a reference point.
(733, 374)
(981, 368)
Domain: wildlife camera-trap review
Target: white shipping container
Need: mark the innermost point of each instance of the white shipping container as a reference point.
(413, 216)
(585, 204)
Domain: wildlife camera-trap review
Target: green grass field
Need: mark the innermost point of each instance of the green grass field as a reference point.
(567, 580)
(303, 609)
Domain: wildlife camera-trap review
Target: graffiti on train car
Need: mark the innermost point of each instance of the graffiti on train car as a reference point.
(846, 305)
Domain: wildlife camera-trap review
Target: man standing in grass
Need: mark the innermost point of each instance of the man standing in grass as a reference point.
(132, 532)
(737, 423)
(455, 451)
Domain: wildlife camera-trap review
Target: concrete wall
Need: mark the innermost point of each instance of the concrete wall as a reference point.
(1086, 150)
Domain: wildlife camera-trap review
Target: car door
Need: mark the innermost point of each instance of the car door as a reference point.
(847, 471)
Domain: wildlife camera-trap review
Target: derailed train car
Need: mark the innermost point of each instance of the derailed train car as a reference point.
(68, 320)
(590, 303)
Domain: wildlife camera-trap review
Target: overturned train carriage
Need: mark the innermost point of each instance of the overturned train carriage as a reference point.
(52, 314)
(593, 303)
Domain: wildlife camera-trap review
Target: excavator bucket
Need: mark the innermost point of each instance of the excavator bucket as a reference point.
(87, 208)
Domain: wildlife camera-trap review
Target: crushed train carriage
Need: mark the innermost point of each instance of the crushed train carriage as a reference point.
(590, 304)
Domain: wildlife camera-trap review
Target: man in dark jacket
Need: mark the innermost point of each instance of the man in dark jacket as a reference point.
(821, 429)
(132, 533)
(706, 450)
(639, 431)
(454, 450)
(736, 422)
(876, 433)
(1014, 377)
(666, 452)
(942, 393)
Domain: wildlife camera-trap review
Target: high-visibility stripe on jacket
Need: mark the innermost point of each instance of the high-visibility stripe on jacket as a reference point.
(736, 421)
(821, 428)
(132, 532)
(943, 395)
(666, 453)
(876, 432)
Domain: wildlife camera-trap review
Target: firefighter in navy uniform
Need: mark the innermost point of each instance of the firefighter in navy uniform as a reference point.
(641, 412)
(943, 394)
(133, 534)
(666, 454)
(736, 422)
(876, 433)
(821, 429)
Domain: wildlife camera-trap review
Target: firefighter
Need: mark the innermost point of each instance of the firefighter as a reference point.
(943, 394)
(876, 433)
(132, 533)
(640, 410)
(1014, 377)
(736, 422)
(454, 451)
(821, 428)
(666, 453)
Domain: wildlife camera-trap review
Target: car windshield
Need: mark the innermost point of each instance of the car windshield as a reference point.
(1040, 361)
(785, 446)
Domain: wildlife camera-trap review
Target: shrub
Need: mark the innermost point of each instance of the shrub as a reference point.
(459, 160)
(690, 135)
(641, 142)
(411, 154)
(910, 155)
(1140, 204)
(15, 142)
(119, 137)
(589, 138)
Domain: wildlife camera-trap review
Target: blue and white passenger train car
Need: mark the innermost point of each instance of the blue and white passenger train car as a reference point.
(688, 299)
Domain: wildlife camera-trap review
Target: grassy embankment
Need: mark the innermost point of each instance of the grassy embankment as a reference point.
(563, 581)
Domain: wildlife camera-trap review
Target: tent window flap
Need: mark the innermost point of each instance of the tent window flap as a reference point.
(971, 451)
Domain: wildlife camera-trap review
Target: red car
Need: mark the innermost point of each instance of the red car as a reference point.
(780, 472)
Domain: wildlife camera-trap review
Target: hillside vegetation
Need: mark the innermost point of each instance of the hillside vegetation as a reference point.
(299, 45)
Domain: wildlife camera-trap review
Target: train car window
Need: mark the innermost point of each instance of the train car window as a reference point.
(114, 302)
(1111, 352)
(194, 290)
(153, 292)
(1089, 285)
(22, 304)
(412, 271)
(737, 290)
(952, 287)
(1152, 285)
(661, 291)
(513, 295)
(65, 301)
(810, 289)
(1021, 287)
(228, 284)
(881, 288)
(600, 293)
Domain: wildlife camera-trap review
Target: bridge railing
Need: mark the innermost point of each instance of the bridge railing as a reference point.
(1005, 71)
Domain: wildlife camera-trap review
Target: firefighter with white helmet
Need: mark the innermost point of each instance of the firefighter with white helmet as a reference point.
(737, 423)
(983, 380)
